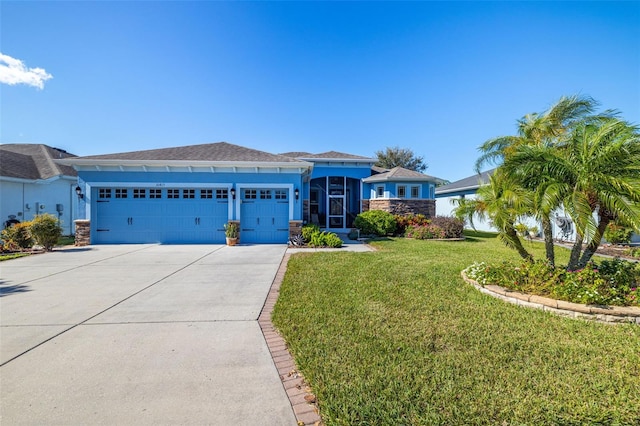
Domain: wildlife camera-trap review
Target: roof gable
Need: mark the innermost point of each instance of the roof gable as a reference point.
(33, 162)
(400, 174)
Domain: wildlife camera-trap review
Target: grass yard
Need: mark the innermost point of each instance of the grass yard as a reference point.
(397, 337)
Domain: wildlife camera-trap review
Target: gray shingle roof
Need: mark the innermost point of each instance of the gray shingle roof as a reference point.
(329, 155)
(219, 151)
(468, 183)
(401, 174)
(33, 161)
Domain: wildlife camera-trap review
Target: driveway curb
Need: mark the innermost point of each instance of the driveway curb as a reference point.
(300, 396)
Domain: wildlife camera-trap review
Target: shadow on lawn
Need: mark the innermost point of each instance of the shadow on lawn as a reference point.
(469, 235)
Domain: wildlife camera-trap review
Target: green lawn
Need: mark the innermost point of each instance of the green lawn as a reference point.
(396, 337)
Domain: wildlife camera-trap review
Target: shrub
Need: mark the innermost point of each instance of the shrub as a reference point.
(308, 230)
(46, 230)
(634, 252)
(614, 282)
(425, 232)
(405, 221)
(451, 226)
(17, 237)
(617, 234)
(325, 239)
(375, 222)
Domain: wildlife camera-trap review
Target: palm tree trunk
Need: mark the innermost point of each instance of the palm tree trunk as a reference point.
(548, 240)
(512, 237)
(575, 253)
(595, 241)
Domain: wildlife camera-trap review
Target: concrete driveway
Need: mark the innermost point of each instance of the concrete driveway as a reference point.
(139, 334)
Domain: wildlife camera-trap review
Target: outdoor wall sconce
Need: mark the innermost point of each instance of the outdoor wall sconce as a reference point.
(296, 192)
(233, 193)
(79, 192)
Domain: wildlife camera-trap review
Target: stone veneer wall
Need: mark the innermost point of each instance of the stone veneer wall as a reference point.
(83, 232)
(295, 228)
(404, 206)
(365, 205)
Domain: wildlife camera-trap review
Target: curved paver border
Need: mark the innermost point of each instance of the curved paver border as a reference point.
(608, 314)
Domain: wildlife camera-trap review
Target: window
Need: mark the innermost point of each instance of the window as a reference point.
(432, 191)
(415, 192)
(402, 191)
(250, 194)
(121, 193)
(104, 193)
(188, 193)
(222, 194)
(380, 191)
(206, 193)
(173, 193)
(280, 194)
(139, 193)
(155, 193)
(265, 194)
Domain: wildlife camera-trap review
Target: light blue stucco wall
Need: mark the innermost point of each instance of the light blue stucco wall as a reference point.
(427, 189)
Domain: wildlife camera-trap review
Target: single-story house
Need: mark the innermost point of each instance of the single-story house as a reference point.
(563, 228)
(32, 183)
(186, 194)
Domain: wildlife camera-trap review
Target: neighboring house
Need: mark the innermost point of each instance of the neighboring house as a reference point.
(186, 194)
(563, 227)
(32, 183)
(463, 188)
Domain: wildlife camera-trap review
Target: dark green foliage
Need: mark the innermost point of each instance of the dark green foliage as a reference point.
(400, 157)
(424, 232)
(375, 222)
(46, 230)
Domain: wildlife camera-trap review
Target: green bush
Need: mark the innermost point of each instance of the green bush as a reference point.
(17, 237)
(613, 282)
(375, 222)
(308, 230)
(325, 239)
(46, 230)
(617, 234)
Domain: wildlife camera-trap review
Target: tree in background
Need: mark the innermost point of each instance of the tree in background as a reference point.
(400, 157)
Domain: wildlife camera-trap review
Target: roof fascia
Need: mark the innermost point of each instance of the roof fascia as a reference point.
(183, 163)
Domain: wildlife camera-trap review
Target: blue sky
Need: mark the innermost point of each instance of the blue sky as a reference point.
(439, 78)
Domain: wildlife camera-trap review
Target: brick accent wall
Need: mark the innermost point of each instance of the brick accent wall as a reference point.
(365, 205)
(83, 232)
(295, 228)
(404, 206)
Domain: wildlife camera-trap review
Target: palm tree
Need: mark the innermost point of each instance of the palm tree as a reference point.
(545, 129)
(503, 202)
(594, 174)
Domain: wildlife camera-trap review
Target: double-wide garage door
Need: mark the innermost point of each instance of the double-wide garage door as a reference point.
(161, 215)
(188, 215)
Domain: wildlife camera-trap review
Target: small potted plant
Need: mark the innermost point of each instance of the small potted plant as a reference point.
(231, 232)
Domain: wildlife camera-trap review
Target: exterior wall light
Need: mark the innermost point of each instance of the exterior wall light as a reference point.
(296, 192)
(233, 193)
(79, 192)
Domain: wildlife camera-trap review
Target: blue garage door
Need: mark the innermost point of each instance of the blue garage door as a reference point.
(166, 215)
(264, 216)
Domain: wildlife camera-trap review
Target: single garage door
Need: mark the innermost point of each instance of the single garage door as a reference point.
(160, 215)
(264, 215)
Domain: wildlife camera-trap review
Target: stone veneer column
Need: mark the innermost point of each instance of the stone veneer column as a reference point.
(295, 228)
(83, 232)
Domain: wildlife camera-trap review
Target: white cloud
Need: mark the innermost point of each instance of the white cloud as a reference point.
(13, 71)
